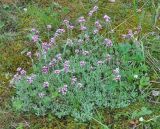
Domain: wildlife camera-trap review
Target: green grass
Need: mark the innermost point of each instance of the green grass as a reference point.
(14, 25)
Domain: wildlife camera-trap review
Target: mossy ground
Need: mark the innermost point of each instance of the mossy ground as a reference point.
(123, 11)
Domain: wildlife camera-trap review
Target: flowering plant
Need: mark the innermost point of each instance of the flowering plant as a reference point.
(77, 75)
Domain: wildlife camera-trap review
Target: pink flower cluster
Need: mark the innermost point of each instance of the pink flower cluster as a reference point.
(33, 30)
(46, 84)
(82, 63)
(117, 76)
(83, 28)
(108, 42)
(45, 47)
(128, 36)
(107, 18)
(81, 19)
(45, 69)
(98, 27)
(66, 66)
(73, 80)
(20, 73)
(31, 78)
(95, 8)
(52, 40)
(35, 38)
(59, 32)
(57, 71)
(68, 25)
(63, 90)
(131, 33)
(100, 62)
(52, 62)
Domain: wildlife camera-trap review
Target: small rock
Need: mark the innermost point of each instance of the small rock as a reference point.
(112, 1)
(155, 93)
(141, 119)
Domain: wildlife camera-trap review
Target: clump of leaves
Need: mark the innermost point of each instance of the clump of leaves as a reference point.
(83, 73)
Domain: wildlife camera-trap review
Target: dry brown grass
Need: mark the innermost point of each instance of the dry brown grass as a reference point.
(6, 1)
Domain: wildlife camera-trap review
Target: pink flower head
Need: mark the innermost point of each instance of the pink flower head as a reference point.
(98, 25)
(107, 18)
(29, 54)
(52, 40)
(63, 90)
(95, 8)
(16, 77)
(66, 66)
(73, 80)
(59, 32)
(66, 22)
(70, 27)
(82, 63)
(90, 13)
(35, 38)
(57, 71)
(128, 36)
(46, 46)
(81, 19)
(30, 80)
(46, 84)
(53, 62)
(83, 28)
(33, 30)
(45, 69)
(99, 62)
(23, 72)
(108, 42)
(116, 71)
(117, 78)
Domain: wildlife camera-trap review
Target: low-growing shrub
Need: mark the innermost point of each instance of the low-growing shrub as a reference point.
(73, 77)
